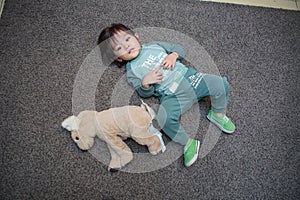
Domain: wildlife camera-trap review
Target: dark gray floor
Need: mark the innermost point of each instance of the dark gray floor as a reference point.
(43, 45)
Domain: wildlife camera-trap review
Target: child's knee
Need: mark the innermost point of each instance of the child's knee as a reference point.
(218, 86)
(226, 85)
(168, 114)
(167, 119)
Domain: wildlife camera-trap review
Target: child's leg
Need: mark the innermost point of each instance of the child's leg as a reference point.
(168, 117)
(218, 88)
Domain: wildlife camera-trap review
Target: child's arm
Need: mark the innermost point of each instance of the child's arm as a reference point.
(170, 60)
(175, 52)
(170, 48)
(137, 84)
(152, 77)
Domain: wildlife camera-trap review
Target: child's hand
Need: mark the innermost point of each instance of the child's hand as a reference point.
(170, 60)
(152, 77)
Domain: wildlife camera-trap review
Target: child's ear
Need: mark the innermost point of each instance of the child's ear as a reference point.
(119, 60)
(136, 35)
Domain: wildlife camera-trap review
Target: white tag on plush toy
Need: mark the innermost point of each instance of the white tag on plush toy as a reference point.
(71, 123)
(156, 132)
(149, 109)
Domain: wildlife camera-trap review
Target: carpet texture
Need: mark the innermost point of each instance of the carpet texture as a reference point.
(43, 45)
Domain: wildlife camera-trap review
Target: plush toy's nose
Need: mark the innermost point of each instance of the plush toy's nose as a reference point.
(75, 136)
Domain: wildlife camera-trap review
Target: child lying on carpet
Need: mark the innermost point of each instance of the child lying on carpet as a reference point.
(155, 69)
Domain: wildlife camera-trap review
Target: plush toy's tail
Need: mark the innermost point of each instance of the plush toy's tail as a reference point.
(149, 109)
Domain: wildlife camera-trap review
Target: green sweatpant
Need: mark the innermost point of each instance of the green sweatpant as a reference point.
(193, 88)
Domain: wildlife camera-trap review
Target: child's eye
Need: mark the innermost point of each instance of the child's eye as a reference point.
(118, 48)
(127, 39)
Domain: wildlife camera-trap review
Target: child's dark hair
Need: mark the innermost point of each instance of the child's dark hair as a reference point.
(104, 42)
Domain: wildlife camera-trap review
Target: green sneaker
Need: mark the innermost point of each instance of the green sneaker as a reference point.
(191, 151)
(224, 123)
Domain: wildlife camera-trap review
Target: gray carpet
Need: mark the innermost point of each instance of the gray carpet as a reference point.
(43, 45)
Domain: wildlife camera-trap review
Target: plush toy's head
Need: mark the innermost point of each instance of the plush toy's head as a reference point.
(83, 141)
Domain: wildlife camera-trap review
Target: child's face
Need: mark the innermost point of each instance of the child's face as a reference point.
(125, 46)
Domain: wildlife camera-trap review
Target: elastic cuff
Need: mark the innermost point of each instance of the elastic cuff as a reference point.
(183, 139)
(218, 110)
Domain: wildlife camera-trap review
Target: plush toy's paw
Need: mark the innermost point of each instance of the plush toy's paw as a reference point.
(113, 170)
(118, 161)
(158, 134)
(156, 146)
(156, 151)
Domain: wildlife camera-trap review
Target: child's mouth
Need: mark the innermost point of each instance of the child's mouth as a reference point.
(131, 51)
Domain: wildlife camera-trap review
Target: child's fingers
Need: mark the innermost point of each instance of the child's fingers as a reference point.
(157, 69)
(159, 79)
(168, 64)
(160, 76)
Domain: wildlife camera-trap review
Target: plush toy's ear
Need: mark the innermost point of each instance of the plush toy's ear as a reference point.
(149, 109)
(71, 123)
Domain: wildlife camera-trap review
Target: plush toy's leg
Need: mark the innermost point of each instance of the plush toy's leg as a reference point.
(156, 146)
(144, 137)
(156, 132)
(115, 162)
(120, 152)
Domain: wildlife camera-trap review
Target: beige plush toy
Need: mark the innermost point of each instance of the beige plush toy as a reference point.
(113, 126)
